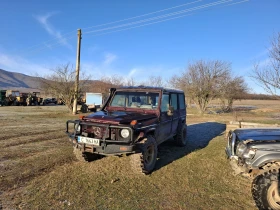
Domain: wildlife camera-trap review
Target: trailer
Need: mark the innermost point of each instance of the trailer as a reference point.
(92, 103)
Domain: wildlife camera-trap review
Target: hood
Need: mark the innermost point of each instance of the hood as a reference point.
(118, 117)
(258, 134)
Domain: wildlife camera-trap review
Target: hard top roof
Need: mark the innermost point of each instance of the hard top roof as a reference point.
(141, 87)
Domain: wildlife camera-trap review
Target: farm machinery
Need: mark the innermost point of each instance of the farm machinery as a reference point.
(15, 98)
(34, 99)
(2, 97)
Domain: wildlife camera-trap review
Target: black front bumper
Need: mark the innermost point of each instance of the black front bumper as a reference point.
(106, 146)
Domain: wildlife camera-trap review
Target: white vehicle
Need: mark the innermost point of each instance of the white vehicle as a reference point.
(93, 102)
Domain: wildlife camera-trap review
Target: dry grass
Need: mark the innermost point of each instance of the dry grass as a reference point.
(261, 111)
(199, 180)
(38, 169)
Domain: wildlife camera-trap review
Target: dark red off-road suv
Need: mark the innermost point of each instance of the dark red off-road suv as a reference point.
(133, 120)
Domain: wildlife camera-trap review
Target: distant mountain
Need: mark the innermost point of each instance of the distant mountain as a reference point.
(13, 80)
(24, 83)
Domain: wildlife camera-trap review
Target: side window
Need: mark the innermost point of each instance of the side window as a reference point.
(182, 104)
(164, 103)
(174, 101)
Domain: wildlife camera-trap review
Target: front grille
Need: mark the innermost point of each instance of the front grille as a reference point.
(105, 132)
(96, 132)
(100, 132)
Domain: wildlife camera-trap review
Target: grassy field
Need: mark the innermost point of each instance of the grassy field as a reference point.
(38, 169)
(261, 111)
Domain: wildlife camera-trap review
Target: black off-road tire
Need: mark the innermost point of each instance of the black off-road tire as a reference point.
(265, 190)
(145, 161)
(16, 103)
(85, 156)
(181, 136)
(84, 108)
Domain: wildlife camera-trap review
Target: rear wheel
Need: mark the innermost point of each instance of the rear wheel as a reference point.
(265, 190)
(85, 156)
(145, 161)
(181, 136)
(16, 103)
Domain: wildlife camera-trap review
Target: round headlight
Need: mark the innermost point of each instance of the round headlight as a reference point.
(240, 148)
(78, 128)
(250, 153)
(124, 133)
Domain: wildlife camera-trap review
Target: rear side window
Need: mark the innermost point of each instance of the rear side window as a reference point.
(174, 101)
(164, 103)
(182, 104)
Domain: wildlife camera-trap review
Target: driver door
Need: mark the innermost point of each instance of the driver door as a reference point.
(165, 120)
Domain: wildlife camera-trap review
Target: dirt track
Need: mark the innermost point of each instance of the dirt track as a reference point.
(35, 152)
(33, 142)
(29, 149)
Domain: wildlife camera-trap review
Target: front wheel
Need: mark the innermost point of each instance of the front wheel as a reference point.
(145, 161)
(265, 190)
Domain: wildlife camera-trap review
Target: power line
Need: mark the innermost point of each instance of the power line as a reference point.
(137, 22)
(163, 16)
(143, 25)
(238, 2)
(51, 40)
(142, 15)
(133, 23)
(158, 21)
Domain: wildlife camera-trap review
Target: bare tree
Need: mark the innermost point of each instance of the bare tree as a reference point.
(60, 83)
(113, 80)
(130, 82)
(202, 81)
(103, 84)
(268, 76)
(231, 88)
(154, 81)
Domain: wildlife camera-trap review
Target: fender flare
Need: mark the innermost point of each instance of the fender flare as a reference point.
(261, 161)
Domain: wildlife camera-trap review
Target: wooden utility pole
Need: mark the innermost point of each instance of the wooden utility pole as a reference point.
(77, 71)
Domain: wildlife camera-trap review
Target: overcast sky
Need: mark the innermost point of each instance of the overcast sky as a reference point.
(136, 38)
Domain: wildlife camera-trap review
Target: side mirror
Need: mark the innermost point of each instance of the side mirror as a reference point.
(170, 111)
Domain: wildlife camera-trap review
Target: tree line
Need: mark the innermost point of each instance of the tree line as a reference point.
(202, 81)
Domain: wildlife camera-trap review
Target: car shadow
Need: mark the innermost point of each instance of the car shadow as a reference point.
(198, 137)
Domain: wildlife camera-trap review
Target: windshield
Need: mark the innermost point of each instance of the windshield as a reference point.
(143, 100)
(15, 93)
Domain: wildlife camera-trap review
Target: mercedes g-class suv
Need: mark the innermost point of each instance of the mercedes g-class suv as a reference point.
(255, 153)
(133, 120)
